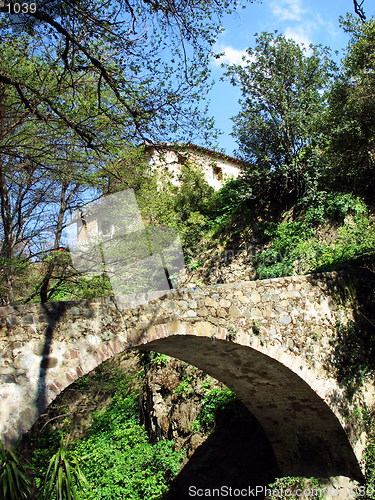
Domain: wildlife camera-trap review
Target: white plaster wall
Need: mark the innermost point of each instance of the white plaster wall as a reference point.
(167, 161)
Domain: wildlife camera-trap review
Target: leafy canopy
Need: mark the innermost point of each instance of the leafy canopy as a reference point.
(348, 129)
(282, 94)
(145, 61)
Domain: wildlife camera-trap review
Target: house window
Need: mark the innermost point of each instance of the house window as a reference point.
(217, 173)
(105, 228)
(181, 159)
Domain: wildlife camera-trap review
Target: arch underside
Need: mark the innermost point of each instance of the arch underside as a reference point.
(305, 435)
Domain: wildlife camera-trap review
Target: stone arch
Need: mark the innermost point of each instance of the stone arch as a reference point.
(306, 436)
(286, 397)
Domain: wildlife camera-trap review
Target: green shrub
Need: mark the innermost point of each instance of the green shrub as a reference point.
(159, 359)
(287, 488)
(294, 249)
(15, 482)
(120, 462)
(185, 386)
(215, 403)
(153, 358)
(64, 479)
(334, 206)
(278, 259)
(230, 199)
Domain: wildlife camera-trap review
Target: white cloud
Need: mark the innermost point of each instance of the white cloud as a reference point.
(231, 55)
(327, 25)
(299, 34)
(287, 10)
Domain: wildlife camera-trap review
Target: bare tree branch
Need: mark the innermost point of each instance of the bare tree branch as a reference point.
(358, 9)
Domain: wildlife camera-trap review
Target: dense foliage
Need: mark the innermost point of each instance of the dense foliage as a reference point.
(145, 63)
(114, 459)
(299, 246)
(119, 461)
(305, 125)
(216, 403)
(348, 125)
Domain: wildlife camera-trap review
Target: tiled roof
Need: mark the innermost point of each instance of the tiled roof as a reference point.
(200, 149)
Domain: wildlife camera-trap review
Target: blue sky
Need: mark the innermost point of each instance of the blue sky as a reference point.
(306, 21)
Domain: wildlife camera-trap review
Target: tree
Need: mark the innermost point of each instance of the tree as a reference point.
(82, 81)
(146, 60)
(42, 176)
(348, 125)
(282, 89)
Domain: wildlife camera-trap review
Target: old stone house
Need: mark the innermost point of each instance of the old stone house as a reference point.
(216, 167)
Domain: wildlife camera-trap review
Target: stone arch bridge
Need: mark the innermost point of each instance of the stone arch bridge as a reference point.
(268, 340)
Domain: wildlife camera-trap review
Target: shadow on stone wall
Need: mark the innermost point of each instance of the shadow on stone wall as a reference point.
(53, 311)
(353, 355)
